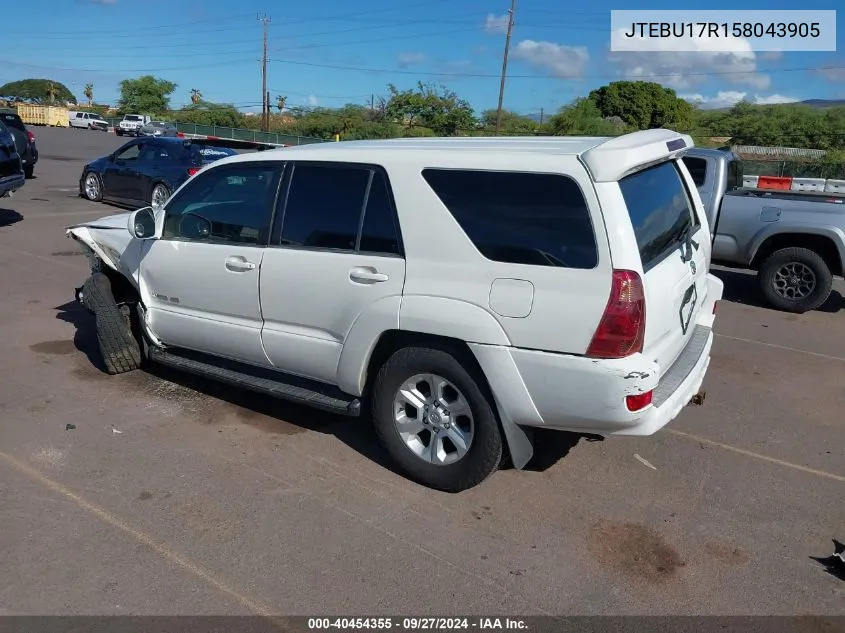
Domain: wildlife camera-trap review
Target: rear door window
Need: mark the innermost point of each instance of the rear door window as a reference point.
(519, 217)
(660, 209)
(697, 168)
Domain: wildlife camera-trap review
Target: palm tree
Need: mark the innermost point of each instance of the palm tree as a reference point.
(89, 93)
(196, 96)
(52, 91)
(280, 103)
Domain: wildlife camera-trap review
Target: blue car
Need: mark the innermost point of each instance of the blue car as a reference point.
(145, 171)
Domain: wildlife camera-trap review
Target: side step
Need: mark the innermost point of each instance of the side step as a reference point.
(276, 384)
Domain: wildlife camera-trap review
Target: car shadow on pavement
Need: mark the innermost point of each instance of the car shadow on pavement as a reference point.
(742, 287)
(278, 417)
(9, 217)
(85, 336)
(833, 565)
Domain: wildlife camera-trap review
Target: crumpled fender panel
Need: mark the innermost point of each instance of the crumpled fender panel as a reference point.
(111, 242)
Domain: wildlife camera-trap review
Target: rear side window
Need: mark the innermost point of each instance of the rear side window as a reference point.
(519, 217)
(697, 168)
(660, 210)
(734, 175)
(340, 207)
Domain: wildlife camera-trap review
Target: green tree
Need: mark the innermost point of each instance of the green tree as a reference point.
(582, 118)
(431, 106)
(89, 93)
(644, 105)
(37, 91)
(513, 124)
(206, 113)
(196, 96)
(145, 95)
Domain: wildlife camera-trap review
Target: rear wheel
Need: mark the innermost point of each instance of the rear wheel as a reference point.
(29, 171)
(433, 418)
(795, 280)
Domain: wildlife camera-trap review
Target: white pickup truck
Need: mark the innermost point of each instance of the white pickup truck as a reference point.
(132, 124)
(459, 291)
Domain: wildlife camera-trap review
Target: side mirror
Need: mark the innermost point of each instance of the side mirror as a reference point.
(194, 227)
(142, 224)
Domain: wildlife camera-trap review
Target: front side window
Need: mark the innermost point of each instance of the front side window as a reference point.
(129, 153)
(230, 204)
(519, 217)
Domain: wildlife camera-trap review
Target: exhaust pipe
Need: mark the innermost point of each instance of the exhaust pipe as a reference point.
(698, 399)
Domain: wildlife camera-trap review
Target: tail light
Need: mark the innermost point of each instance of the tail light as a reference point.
(30, 136)
(621, 331)
(192, 170)
(639, 401)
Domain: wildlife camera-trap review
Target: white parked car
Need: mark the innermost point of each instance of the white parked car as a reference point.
(460, 291)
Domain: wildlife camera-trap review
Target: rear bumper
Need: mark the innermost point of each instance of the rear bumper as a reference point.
(575, 393)
(10, 182)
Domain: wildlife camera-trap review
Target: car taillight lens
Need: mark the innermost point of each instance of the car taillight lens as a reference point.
(30, 136)
(639, 401)
(621, 331)
(192, 170)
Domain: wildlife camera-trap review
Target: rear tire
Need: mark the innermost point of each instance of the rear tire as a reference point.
(795, 280)
(482, 456)
(159, 195)
(29, 171)
(118, 345)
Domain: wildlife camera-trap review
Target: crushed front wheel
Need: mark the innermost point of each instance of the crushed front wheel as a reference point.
(118, 345)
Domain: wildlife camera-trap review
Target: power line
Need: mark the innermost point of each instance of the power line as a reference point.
(543, 76)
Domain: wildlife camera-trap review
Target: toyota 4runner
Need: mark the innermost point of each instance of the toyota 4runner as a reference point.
(459, 291)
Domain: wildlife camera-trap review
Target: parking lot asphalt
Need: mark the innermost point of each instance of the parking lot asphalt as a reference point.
(173, 495)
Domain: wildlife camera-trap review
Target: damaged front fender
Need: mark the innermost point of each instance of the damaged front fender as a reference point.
(108, 242)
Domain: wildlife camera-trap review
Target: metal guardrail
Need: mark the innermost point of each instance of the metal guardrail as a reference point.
(240, 134)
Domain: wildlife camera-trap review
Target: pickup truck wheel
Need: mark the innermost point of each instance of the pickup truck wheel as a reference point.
(795, 280)
(93, 187)
(118, 345)
(433, 418)
(118, 132)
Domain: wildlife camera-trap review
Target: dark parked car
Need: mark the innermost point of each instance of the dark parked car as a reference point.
(145, 171)
(24, 140)
(11, 170)
(158, 129)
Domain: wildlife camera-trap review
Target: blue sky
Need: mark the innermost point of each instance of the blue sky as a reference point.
(330, 52)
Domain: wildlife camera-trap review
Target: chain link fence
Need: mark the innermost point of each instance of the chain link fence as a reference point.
(239, 134)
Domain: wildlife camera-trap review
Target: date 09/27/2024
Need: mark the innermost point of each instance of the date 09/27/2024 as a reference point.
(723, 29)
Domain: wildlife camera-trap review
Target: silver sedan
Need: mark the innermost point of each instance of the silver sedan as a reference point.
(158, 128)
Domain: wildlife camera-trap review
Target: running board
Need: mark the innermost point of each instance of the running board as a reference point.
(272, 383)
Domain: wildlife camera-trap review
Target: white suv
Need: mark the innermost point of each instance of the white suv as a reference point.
(462, 290)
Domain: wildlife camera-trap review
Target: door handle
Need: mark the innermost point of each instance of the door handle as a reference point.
(238, 264)
(367, 275)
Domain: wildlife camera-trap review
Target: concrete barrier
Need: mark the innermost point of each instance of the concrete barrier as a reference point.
(834, 186)
(808, 184)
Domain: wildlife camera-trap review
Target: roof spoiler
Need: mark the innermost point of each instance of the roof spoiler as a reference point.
(216, 141)
(619, 156)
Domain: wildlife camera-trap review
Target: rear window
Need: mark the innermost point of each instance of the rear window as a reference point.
(519, 217)
(12, 120)
(660, 209)
(734, 175)
(132, 117)
(202, 154)
(697, 168)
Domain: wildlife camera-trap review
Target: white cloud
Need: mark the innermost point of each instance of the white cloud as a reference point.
(312, 100)
(496, 23)
(409, 59)
(736, 63)
(771, 56)
(728, 98)
(558, 59)
(833, 74)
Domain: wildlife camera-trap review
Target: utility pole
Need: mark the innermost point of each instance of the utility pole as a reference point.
(265, 99)
(505, 66)
(541, 116)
